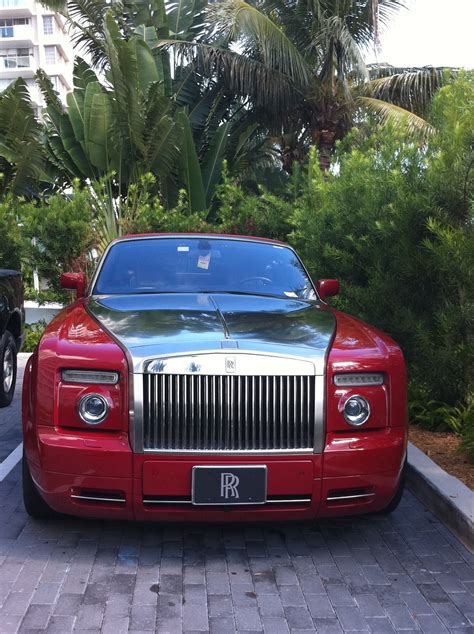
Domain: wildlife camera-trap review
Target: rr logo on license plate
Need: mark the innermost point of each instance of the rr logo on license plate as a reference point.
(229, 484)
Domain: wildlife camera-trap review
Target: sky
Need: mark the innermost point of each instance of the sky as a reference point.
(429, 33)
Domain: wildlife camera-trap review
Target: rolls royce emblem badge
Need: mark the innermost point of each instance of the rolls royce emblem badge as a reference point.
(230, 364)
(229, 484)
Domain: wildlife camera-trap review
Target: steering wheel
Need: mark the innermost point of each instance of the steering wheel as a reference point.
(265, 281)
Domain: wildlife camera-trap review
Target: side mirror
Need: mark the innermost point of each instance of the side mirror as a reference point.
(74, 282)
(327, 288)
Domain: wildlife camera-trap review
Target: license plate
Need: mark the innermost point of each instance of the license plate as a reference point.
(229, 485)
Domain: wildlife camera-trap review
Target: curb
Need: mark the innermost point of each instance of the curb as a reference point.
(444, 495)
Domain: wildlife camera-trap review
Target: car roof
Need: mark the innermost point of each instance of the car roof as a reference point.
(190, 234)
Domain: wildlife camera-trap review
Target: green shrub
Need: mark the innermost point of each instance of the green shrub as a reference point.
(33, 333)
(10, 237)
(390, 228)
(59, 235)
(239, 212)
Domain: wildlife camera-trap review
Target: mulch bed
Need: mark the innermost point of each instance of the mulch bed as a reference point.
(443, 448)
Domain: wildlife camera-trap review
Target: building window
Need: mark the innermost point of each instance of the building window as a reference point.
(7, 24)
(15, 58)
(50, 54)
(48, 25)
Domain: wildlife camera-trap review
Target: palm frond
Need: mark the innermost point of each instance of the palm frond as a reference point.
(185, 18)
(239, 20)
(409, 88)
(242, 75)
(397, 116)
(334, 40)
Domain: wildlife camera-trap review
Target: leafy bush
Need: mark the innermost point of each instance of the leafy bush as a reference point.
(389, 227)
(10, 237)
(33, 333)
(59, 234)
(239, 212)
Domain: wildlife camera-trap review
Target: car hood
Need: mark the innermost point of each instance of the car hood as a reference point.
(164, 324)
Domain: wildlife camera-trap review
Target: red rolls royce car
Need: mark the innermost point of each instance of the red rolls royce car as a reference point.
(205, 378)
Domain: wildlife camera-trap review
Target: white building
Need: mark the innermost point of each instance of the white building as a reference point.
(33, 37)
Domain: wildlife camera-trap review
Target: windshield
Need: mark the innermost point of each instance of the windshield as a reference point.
(202, 265)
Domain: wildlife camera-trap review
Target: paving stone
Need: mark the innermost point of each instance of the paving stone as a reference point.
(61, 624)
(298, 618)
(400, 617)
(379, 625)
(270, 605)
(247, 618)
(292, 596)
(36, 617)
(327, 626)
(319, 606)
(369, 606)
(195, 617)
(339, 595)
(450, 615)
(431, 624)
(351, 619)
(275, 625)
(222, 625)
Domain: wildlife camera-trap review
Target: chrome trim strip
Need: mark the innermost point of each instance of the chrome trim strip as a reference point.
(98, 499)
(137, 430)
(319, 408)
(286, 501)
(229, 452)
(349, 497)
(290, 501)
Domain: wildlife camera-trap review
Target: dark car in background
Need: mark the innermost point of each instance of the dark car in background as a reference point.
(11, 331)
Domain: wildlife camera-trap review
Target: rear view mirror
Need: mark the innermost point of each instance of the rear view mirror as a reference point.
(327, 288)
(74, 281)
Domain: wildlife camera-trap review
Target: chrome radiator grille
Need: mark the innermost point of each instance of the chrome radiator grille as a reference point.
(228, 413)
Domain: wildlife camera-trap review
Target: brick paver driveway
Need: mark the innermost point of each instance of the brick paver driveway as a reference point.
(406, 572)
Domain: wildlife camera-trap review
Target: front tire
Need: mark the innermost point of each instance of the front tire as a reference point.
(34, 504)
(8, 367)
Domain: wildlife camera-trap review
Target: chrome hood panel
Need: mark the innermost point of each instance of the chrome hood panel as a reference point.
(160, 325)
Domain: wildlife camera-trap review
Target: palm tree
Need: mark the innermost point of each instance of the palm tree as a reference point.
(300, 66)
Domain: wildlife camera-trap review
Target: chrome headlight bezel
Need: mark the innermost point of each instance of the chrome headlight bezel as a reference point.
(87, 417)
(359, 419)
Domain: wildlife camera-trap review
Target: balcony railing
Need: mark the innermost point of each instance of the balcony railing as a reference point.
(16, 61)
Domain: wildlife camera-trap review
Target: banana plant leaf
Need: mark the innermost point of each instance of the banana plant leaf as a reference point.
(189, 168)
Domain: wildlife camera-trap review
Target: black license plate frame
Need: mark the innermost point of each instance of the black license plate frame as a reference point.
(226, 485)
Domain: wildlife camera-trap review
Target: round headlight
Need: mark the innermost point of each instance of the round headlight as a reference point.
(93, 409)
(356, 410)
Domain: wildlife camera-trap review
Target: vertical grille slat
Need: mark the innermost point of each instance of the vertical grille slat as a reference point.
(228, 413)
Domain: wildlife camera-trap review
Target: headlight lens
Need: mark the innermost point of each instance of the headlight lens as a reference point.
(93, 409)
(356, 410)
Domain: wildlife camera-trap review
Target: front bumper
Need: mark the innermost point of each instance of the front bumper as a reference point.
(100, 477)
